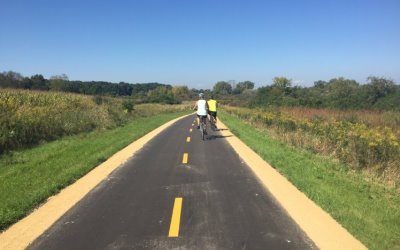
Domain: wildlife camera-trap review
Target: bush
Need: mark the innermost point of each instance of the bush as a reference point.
(128, 105)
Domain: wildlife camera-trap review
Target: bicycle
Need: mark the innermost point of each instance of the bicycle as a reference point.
(212, 123)
(203, 126)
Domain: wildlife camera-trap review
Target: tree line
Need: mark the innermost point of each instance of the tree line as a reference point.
(12, 79)
(340, 93)
(142, 92)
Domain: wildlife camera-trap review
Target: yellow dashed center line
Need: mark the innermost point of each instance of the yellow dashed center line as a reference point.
(176, 211)
(176, 218)
(185, 158)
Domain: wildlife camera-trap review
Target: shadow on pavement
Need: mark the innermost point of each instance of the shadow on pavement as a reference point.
(213, 137)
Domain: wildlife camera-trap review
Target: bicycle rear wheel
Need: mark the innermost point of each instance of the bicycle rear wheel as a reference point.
(202, 130)
(212, 125)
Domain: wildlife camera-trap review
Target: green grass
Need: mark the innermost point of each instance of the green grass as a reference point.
(371, 212)
(28, 177)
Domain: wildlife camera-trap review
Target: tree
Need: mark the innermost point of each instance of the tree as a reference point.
(10, 79)
(343, 93)
(320, 84)
(39, 82)
(316, 95)
(58, 82)
(281, 82)
(242, 86)
(222, 88)
(378, 87)
(125, 89)
(161, 94)
(181, 92)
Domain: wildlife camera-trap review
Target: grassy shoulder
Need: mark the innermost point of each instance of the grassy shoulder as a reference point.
(28, 177)
(368, 210)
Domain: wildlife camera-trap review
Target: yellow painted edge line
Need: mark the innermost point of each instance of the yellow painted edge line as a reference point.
(176, 218)
(322, 229)
(188, 139)
(25, 231)
(185, 158)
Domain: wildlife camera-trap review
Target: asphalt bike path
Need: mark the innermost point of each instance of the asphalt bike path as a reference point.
(178, 192)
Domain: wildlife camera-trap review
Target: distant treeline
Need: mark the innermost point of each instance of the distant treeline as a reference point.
(340, 93)
(12, 79)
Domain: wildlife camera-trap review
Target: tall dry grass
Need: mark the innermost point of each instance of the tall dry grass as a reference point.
(389, 119)
(371, 145)
(31, 117)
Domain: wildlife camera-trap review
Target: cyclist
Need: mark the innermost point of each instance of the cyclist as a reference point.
(212, 110)
(201, 106)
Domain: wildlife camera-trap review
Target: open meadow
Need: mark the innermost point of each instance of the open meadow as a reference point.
(31, 117)
(364, 140)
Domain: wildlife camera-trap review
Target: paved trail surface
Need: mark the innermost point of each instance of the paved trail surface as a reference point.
(178, 192)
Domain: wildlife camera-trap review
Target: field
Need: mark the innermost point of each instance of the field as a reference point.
(31, 117)
(367, 209)
(373, 119)
(364, 140)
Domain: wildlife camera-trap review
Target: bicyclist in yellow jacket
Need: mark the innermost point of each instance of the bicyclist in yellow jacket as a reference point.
(212, 110)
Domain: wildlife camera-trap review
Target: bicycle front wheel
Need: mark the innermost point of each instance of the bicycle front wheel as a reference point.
(202, 131)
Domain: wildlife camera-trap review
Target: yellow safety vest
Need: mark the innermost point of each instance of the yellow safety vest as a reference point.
(212, 105)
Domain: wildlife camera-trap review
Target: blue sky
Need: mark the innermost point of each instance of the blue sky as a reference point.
(198, 43)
